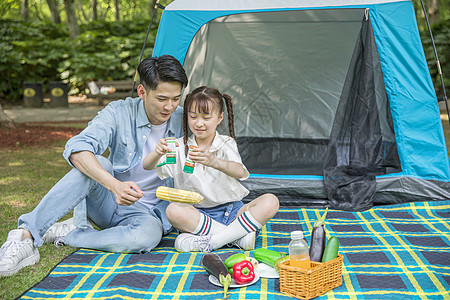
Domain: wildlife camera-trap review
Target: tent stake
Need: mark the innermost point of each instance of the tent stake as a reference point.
(438, 64)
(157, 5)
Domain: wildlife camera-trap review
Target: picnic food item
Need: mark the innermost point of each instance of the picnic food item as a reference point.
(212, 263)
(267, 256)
(171, 156)
(318, 239)
(243, 272)
(234, 259)
(189, 165)
(238, 257)
(331, 250)
(253, 261)
(298, 251)
(279, 261)
(177, 195)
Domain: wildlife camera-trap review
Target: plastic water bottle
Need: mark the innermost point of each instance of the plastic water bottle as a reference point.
(298, 251)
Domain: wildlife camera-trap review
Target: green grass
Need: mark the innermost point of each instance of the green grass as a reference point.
(26, 175)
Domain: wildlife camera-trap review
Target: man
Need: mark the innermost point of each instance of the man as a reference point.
(119, 194)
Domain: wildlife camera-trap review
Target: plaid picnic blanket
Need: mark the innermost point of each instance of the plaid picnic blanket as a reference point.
(390, 252)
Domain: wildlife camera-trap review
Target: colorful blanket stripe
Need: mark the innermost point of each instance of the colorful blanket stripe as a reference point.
(390, 252)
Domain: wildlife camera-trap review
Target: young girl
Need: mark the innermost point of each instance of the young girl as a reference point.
(221, 218)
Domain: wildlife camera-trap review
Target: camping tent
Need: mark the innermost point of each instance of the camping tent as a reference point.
(333, 100)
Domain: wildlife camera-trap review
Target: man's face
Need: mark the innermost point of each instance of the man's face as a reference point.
(160, 103)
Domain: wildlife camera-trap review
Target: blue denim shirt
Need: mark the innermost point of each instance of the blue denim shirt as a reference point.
(123, 127)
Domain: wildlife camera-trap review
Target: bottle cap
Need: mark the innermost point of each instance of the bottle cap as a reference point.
(296, 235)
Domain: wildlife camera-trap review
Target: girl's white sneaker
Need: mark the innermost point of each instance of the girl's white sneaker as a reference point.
(186, 242)
(247, 242)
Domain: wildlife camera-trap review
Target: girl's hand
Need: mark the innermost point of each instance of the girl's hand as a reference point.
(151, 160)
(162, 147)
(231, 168)
(202, 156)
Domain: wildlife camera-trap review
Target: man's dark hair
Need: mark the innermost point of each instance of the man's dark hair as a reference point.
(164, 68)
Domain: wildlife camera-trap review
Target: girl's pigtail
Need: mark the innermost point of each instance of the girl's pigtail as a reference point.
(185, 124)
(229, 104)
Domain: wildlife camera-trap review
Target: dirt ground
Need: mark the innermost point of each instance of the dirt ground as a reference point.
(36, 134)
(45, 133)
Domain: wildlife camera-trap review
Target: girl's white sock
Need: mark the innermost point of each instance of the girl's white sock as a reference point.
(243, 224)
(206, 226)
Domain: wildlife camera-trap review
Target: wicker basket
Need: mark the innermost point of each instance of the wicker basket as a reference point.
(307, 284)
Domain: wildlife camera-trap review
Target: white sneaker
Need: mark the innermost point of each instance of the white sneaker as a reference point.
(247, 242)
(186, 242)
(57, 232)
(16, 254)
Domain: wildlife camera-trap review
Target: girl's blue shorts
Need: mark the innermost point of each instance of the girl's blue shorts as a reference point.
(224, 213)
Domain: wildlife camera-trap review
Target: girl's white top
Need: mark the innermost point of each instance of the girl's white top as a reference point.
(217, 187)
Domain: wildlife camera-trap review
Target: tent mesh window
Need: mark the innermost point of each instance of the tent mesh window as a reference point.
(356, 150)
(286, 71)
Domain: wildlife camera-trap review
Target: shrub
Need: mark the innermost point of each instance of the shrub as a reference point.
(30, 52)
(42, 52)
(441, 36)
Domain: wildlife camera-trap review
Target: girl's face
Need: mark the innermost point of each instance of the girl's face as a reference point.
(203, 124)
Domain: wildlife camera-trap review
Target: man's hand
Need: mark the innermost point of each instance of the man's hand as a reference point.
(126, 193)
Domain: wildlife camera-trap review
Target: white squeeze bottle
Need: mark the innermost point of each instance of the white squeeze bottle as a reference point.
(298, 251)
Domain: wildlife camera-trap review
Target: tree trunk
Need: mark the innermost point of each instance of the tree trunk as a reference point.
(433, 11)
(37, 13)
(5, 120)
(151, 7)
(116, 5)
(94, 10)
(24, 11)
(74, 29)
(80, 8)
(103, 16)
(53, 6)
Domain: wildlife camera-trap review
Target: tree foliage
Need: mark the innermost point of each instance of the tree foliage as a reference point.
(42, 51)
(438, 12)
(441, 36)
(30, 52)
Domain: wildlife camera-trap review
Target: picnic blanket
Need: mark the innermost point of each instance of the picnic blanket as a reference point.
(390, 252)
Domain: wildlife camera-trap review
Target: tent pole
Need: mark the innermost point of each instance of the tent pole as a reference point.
(438, 64)
(157, 5)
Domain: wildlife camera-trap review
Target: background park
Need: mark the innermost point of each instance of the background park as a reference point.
(75, 41)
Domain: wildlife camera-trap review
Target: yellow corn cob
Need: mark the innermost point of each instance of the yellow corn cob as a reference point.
(177, 195)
